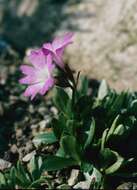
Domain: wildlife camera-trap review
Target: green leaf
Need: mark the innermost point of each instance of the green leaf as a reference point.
(22, 175)
(61, 99)
(116, 105)
(103, 90)
(106, 157)
(57, 163)
(133, 107)
(60, 152)
(37, 183)
(90, 134)
(45, 138)
(113, 127)
(83, 107)
(70, 146)
(84, 86)
(86, 167)
(104, 138)
(58, 125)
(2, 180)
(116, 166)
(122, 131)
(13, 175)
(119, 130)
(34, 166)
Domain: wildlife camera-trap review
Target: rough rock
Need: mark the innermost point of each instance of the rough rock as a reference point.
(127, 186)
(105, 40)
(28, 157)
(73, 177)
(4, 164)
(82, 185)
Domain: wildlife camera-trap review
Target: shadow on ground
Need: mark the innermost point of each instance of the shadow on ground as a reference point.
(27, 23)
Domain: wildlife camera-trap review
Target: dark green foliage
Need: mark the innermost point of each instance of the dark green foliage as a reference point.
(45, 138)
(95, 131)
(96, 134)
(57, 163)
(24, 177)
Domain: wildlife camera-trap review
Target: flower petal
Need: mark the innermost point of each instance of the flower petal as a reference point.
(61, 42)
(29, 79)
(50, 65)
(47, 48)
(26, 69)
(58, 59)
(37, 58)
(47, 86)
(33, 90)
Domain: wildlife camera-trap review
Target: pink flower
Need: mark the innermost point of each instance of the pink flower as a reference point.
(39, 75)
(56, 48)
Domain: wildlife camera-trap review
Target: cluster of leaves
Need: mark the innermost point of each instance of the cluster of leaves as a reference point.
(96, 133)
(30, 177)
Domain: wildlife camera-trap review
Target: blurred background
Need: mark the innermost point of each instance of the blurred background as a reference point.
(105, 46)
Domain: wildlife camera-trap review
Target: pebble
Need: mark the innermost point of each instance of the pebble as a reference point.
(42, 124)
(42, 110)
(31, 109)
(14, 149)
(127, 186)
(4, 164)
(28, 157)
(82, 185)
(34, 126)
(73, 177)
(54, 110)
(19, 133)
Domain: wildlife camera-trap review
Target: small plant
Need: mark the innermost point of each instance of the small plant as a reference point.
(98, 134)
(25, 177)
(95, 132)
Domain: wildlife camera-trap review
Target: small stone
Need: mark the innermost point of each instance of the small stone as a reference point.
(127, 186)
(4, 164)
(42, 110)
(28, 157)
(73, 177)
(34, 126)
(29, 146)
(54, 110)
(18, 133)
(47, 119)
(14, 149)
(63, 186)
(13, 99)
(31, 109)
(82, 185)
(42, 124)
(49, 148)
(134, 186)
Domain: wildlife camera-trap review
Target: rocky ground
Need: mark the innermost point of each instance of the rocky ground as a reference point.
(20, 119)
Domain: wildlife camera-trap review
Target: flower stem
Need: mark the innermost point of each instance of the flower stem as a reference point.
(73, 97)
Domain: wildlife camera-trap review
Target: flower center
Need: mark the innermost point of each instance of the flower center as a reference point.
(43, 74)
